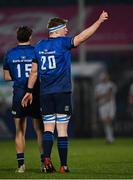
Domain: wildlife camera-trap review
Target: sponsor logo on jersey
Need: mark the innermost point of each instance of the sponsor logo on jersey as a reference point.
(47, 52)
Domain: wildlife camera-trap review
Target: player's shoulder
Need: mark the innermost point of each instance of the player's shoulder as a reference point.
(64, 38)
(11, 50)
(40, 42)
(17, 48)
(99, 85)
(31, 47)
(66, 42)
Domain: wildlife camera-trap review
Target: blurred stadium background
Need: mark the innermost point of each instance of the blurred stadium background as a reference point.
(111, 48)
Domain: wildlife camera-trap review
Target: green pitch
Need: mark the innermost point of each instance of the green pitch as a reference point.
(88, 159)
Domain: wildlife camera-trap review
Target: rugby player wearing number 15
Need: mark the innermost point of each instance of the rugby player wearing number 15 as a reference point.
(53, 64)
(17, 67)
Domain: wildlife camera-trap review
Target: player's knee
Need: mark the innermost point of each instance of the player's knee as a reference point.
(62, 118)
(49, 122)
(49, 118)
(37, 128)
(19, 137)
(62, 125)
(20, 132)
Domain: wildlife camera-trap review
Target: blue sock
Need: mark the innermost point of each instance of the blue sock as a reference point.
(20, 159)
(48, 139)
(63, 150)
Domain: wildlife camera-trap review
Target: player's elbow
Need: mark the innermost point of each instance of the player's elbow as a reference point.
(78, 40)
(7, 77)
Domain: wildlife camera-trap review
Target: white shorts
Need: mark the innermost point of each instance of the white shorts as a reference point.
(107, 110)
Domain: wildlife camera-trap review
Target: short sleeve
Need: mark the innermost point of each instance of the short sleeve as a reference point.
(68, 42)
(35, 57)
(35, 60)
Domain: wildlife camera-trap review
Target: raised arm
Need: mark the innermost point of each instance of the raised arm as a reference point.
(84, 35)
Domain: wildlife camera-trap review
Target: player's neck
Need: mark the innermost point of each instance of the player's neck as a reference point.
(24, 43)
(54, 35)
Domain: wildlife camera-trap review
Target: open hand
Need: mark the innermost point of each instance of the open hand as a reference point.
(27, 98)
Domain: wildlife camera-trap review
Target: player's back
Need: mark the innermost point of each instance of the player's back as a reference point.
(19, 61)
(54, 59)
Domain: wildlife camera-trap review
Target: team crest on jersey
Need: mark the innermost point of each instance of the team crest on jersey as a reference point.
(45, 51)
(23, 57)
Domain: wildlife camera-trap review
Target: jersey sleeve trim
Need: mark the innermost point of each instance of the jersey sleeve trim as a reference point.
(34, 61)
(5, 68)
(72, 43)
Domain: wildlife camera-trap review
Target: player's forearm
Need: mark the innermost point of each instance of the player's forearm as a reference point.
(7, 76)
(84, 35)
(32, 79)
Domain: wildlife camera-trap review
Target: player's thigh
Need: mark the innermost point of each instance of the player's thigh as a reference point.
(17, 110)
(62, 128)
(112, 110)
(63, 103)
(47, 104)
(103, 112)
(33, 110)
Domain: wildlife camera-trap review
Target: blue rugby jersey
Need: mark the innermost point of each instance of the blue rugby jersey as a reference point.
(54, 64)
(18, 61)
